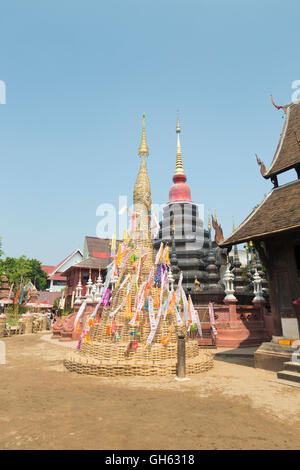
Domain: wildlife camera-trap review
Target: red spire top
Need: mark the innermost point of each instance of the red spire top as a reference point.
(179, 192)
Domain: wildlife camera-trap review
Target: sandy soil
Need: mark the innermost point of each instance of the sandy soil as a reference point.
(232, 406)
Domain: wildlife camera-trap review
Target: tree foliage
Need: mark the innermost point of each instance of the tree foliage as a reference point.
(24, 270)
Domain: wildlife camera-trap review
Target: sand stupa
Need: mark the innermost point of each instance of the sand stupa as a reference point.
(137, 332)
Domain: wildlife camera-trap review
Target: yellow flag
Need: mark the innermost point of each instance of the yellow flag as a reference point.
(113, 241)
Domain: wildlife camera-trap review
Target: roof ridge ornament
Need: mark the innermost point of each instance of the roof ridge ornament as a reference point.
(262, 166)
(219, 237)
(276, 106)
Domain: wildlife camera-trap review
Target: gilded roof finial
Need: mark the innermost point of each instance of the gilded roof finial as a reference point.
(143, 149)
(233, 224)
(209, 223)
(179, 165)
(178, 125)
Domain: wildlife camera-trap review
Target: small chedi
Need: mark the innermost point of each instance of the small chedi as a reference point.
(138, 328)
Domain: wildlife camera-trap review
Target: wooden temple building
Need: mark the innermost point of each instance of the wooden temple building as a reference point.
(96, 257)
(274, 229)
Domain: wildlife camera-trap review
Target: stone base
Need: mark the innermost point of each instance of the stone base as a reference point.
(66, 337)
(272, 356)
(237, 334)
(56, 335)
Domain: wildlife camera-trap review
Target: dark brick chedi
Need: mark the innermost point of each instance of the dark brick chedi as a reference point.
(191, 250)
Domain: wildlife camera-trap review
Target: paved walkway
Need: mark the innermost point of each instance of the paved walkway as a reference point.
(237, 352)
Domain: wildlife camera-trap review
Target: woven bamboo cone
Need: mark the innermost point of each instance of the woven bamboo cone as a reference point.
(103, 354)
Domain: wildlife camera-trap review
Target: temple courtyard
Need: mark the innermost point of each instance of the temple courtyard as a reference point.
(232, 406)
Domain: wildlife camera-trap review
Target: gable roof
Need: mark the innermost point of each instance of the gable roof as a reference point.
(287, 154)
(89, 263)
(95, 247)
(48, 269)
(46, 296)
(53, 270)
(278, 212)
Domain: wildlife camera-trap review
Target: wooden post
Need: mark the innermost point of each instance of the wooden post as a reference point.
(181, 355)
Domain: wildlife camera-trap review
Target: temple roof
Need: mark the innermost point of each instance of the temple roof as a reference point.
(95, 247)
(90, 263)
(287, 154)
(278, 212)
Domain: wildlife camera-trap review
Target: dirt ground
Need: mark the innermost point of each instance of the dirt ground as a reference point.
(232, 406)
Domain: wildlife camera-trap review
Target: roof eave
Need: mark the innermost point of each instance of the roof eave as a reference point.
(261, 236)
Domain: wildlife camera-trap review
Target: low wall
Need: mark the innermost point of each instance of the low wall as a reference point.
(239, 325)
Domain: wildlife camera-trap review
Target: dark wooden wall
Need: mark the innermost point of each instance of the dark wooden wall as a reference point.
(284, 285)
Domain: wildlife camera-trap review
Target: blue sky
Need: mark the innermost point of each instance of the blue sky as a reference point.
(80, 74)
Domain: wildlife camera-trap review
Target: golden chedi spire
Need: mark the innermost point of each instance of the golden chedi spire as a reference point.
(142, 190)
(179, 164)
(179, 191)
(209, 222)
(143, 149)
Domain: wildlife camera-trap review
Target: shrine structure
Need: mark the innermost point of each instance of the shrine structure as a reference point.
(5, 292)
(273, 227)
(137, 332)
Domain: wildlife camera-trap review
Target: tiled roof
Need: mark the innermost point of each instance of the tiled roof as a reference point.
(53, 269)
(96, 245)
(58, 277)
(45, 296)
(93, 263)
(278, 212)
(48, 269)
(287, 154)
(89, 263)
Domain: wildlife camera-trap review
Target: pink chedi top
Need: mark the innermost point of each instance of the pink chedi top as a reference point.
(180, 191)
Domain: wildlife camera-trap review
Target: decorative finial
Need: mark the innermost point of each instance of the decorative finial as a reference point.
(143, 150)
(179, 165)
(276, 106)
(262, 165)
(178, 125)
(233, 224)
(209, 223)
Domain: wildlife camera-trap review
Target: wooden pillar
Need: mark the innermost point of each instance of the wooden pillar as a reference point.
(180, 355)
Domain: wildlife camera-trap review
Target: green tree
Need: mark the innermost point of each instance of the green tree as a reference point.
(24, 270)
